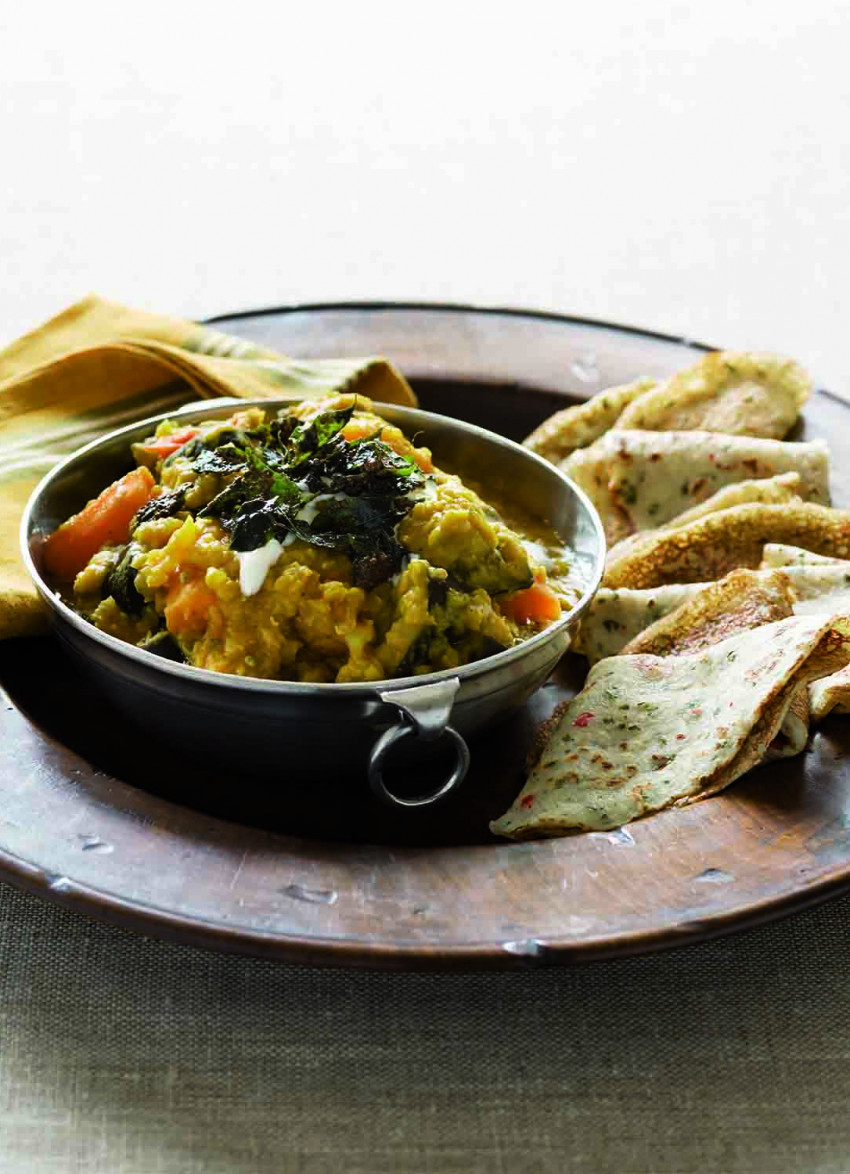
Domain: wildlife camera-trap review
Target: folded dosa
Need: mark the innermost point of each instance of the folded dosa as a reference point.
(736, 603)
(784, 487)
(712, 546)
(640, 480)
(777, 554)
(581, 424)
(740, 392)
(647, 732)
(616, 616)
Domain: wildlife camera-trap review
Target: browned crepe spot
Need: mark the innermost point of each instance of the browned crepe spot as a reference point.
(722, 542)
(744, 599)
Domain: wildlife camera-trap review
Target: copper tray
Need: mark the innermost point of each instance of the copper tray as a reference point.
(101, 820)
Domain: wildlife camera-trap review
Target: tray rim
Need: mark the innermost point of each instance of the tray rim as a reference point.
(463, 308)
(340, 952)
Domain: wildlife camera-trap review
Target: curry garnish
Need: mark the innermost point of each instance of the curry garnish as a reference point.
(166, 505)
(309, 481)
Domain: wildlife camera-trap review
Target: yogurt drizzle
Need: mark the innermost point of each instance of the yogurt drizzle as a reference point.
(254, 565)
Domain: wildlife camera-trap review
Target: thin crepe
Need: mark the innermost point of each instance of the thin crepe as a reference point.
(770, 490)
(579, 425)
(616, 616)
(744, 600)
(740, 601)
(738, 392)
(640, 480)
(647, 732)
(750, 599)
(777, 554)
(830, 694)
(778, 490)
(712, 546)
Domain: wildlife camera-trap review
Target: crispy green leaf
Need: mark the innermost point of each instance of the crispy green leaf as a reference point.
(166, 505)
(360, 488)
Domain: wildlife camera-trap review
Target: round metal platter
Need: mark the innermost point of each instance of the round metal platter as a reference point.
(96, 814)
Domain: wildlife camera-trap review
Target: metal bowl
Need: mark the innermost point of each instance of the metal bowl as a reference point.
(288, 730)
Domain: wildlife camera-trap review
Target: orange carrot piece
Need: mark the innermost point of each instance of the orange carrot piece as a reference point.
(538, 604)
(161, 447)
(106, 519)
(188, 606)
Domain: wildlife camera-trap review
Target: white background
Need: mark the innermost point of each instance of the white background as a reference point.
(685, 167)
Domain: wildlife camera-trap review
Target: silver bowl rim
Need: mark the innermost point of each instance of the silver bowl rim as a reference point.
(352, 689)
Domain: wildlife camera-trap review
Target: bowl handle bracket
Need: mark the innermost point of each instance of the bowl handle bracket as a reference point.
(425, 711)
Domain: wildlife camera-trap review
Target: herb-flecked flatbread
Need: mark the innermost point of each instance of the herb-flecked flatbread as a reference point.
(737, 603)
(777, 554)
(830, 694)
(640, 480)
(619, 615)
(647, 732)
(784, 487)
(823, 587)
(769, 490)
(616, 616)
(738, 392)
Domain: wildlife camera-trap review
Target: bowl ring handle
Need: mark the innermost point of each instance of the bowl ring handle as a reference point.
(425, 712)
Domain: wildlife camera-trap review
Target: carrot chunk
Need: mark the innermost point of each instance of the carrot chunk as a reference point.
(188, 606)
(537, 604)
(105, 519)
(160, 447)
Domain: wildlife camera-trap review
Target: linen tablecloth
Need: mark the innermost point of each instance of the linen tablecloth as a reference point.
(125, 1054)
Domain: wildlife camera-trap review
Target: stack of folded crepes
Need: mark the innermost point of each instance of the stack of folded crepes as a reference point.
(722, 627)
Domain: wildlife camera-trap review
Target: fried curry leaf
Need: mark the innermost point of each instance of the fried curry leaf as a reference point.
(164, 506)
(227, 458)
(309, 481)
(308, 438)
(256, 523)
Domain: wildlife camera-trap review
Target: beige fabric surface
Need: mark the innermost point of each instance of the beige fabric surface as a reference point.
(125, 1054)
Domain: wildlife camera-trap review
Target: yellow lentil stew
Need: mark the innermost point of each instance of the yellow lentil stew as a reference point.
(316, 544)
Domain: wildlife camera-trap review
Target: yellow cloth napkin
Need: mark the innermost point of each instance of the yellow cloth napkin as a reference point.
(98, 366)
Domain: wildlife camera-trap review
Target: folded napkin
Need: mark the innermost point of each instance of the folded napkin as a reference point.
(98, 366)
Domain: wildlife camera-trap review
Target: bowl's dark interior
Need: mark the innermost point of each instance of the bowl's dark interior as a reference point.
(61, 700)
(505, 408)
